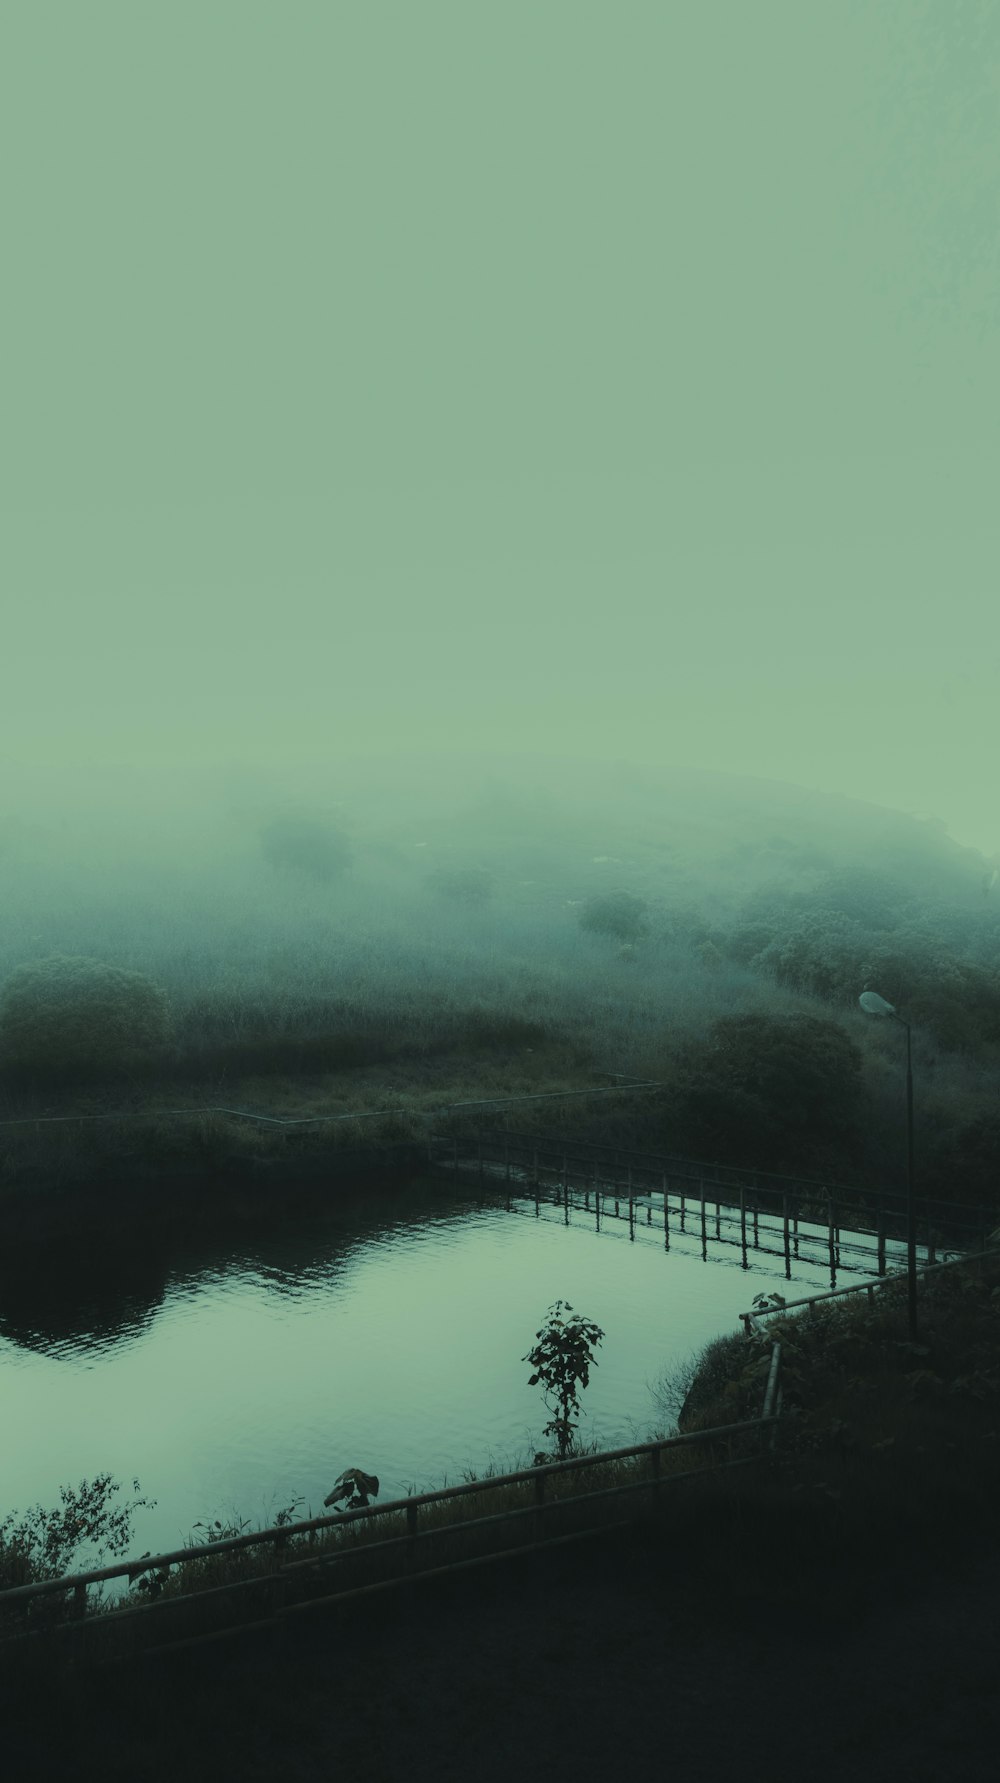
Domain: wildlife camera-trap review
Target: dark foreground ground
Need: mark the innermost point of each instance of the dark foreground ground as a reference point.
(636, 1654)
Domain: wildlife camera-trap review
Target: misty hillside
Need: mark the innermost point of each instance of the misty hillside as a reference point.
(524, 922)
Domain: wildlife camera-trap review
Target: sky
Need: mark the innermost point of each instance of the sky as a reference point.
(602, 380)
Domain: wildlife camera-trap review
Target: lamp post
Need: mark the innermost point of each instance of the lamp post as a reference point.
(873, 1004)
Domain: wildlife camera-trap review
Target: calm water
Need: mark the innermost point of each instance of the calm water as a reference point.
(391, 1338)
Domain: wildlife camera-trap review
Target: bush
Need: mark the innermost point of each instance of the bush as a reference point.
(618, 914)
(306, 845)
(69, 1015)
(727, 1385)
(775, 1094)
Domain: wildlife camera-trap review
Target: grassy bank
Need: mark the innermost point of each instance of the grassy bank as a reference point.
(121, 1151)
(889, 1449)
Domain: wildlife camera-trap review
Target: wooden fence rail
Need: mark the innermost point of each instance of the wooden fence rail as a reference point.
(403, 1549)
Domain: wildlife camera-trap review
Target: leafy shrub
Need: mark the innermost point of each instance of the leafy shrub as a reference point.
(619, 914)
(44, 1544)
(306, 845)
(68, 1014)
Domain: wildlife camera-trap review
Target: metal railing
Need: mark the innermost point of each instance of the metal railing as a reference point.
(752, 1322)
(316, 1120)
(296, 1584)
(881, 1213)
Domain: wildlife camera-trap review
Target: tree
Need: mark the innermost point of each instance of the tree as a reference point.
(68, 1014)
(562, 1359)
(775, 1093)
(307, 845)
(616, 913)
(822, 952)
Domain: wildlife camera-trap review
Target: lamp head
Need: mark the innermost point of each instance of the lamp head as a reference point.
(873, 1004)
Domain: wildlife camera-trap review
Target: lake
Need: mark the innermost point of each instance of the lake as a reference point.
(234, 1377)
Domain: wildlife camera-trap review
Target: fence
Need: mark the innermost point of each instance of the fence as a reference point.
(294, 1583)
(692, 1188)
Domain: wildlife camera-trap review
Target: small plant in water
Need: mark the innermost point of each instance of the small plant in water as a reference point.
(768, 1302)
(352, 1489)
(289, 1513)
(562, 1359)
(219, 1531)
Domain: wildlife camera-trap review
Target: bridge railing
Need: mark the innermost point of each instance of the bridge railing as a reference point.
(880, 1212)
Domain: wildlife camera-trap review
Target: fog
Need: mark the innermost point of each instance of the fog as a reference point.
(600, 383)
(553, 446)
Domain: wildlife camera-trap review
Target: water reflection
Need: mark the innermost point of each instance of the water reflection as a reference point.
(90, 1297)
(78, 1302)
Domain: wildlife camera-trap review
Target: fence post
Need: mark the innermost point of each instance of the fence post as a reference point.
(666, 1213)
(743, 1225)
(79, 1601)
(538, 1520)
(784, 1219)
(880, 1235)
(411, 1531)
(279, 1595)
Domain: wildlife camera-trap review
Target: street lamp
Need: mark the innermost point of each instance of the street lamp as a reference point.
(873, 1004)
